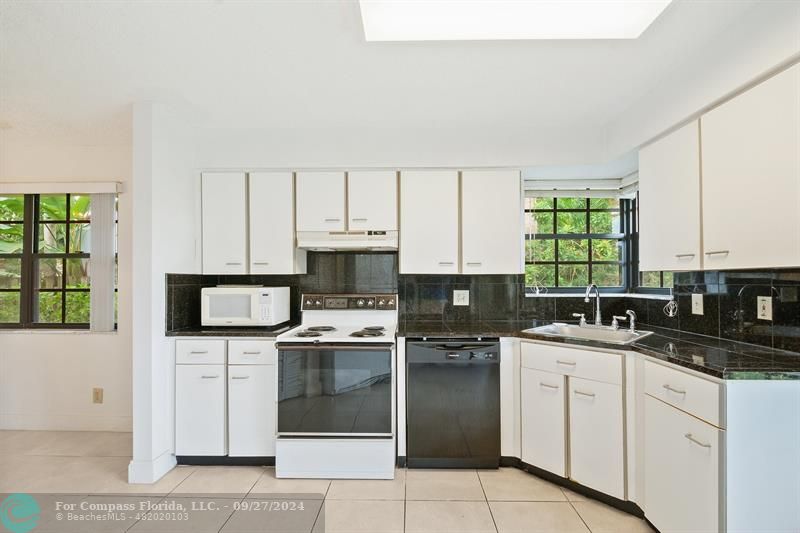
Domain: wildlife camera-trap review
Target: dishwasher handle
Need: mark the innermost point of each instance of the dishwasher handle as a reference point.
(463, 353)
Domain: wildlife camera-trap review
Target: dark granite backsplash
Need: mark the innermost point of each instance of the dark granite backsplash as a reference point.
(729, 298)
(339, 272)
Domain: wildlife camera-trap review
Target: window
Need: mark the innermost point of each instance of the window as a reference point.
(45, 245)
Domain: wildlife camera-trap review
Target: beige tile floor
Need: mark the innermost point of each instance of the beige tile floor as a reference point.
(92, 467)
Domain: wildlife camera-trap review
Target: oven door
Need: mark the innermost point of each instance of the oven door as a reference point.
(335, 390)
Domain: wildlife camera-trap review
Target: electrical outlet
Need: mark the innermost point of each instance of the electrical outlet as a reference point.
(460, 297)
(97, 395)
(765, 308)
(697, 304)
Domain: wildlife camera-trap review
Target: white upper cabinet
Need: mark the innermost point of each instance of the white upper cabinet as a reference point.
(669, 202)
(491, 222)
(272, 244)
(751, 177)
(224, 223)
(321, 201)
(429, 222)
(372, 200)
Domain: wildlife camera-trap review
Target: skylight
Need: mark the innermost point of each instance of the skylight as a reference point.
(462, 20)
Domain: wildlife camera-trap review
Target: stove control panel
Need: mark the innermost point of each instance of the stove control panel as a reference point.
(358, 302)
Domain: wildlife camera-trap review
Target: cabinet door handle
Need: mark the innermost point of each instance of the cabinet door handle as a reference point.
(719, 252)
(232, 264)
(261, 263)
(198, 352)
(453, 355)
(691, 438)
(358, 219)
(673, 389)
(566, 363)
(548, 386)
(333, 219)
(681, 256)
(446, 263)
(476, 264)
(587, 394)
(251, 353)
(240, 377)
(210, 377)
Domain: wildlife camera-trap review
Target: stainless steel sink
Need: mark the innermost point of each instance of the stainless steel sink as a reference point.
(605, 334)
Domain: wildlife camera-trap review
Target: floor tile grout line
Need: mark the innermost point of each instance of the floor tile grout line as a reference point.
(322, 506)
(480, 481)
(579, 514)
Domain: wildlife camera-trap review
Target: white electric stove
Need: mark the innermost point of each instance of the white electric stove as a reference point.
(337, 389)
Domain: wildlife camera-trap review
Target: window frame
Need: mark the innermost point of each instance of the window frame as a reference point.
(621, 237)
(29, 290)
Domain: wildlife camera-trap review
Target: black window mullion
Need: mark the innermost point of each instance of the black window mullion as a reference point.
(27, 278)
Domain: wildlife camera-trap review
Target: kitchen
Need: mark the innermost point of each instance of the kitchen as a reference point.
(427, 329)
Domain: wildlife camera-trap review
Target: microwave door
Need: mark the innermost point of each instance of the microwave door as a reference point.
(229, 308)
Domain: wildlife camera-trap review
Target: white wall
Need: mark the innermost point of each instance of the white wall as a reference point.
(46, 378)
(165, 189)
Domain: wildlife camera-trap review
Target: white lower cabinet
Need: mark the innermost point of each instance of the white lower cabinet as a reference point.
(251, 410)
(200, 414)
(682, 470)
(543, 409)
(596, 447)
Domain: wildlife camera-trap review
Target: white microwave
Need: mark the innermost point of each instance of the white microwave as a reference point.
(244, 306)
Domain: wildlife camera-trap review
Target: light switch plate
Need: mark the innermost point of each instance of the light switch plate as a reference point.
(461, 297)
(764, 308)
(697, 304)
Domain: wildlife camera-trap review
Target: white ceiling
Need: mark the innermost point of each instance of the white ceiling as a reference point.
(69, 71)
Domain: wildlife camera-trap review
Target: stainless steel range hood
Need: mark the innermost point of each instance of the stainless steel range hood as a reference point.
(331, 241)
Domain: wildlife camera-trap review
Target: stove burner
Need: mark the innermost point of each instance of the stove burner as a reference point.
(308, 334)
(321, 328)
(374, 328)
(367, 333)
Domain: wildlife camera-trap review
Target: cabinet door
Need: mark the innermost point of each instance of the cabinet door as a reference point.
(543, 409)
(372, 200)
(682, 457)
(751, 177)
(669, 202)
(320, 201)
(271, 199)
(429, 222)
(200, 410)
(596, 436)
(224, 221)
(251, 410)
(491, 222)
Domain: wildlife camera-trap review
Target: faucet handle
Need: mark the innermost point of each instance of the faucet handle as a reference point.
(615, 321)
(582, 316)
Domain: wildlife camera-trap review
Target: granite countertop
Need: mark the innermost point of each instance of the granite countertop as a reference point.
(716, 357)
(265, 332)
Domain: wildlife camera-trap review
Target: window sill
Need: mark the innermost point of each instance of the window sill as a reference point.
(665, 297)
(45, 331)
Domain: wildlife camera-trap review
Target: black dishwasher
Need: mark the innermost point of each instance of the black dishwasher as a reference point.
(453, 403)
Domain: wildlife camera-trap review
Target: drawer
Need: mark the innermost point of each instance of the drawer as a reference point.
(697, 396)
(251, 352)
(587, 364)
(200, 352)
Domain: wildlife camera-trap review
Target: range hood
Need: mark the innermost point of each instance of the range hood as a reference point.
(331, 241)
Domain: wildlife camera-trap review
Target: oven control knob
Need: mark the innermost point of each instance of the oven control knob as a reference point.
(381, 302)
(318, 303)
(370, 303)
(309, 301)
(390, 302)
(360, 302)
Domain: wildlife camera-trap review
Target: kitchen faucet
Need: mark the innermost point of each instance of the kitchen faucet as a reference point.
(598, 321)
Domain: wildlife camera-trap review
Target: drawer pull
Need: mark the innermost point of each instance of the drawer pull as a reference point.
(474, 264)
(358, 219)
(240, 377)
(691, 438)
(681, 256)
(566, 363)
(233, 264)
(261, 263)
(210, 377)
(587, 394)
(548, 386)
(332, 219)
(251, 353)
(198, 352)
(719, 252)
(445, 263)
(673, 389)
